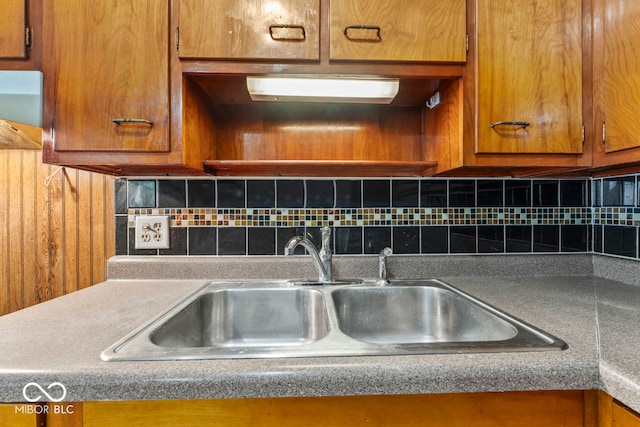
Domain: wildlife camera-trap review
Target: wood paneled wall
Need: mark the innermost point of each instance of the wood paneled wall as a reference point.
(56, 229)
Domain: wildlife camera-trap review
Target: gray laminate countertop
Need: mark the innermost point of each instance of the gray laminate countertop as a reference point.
(61, 340)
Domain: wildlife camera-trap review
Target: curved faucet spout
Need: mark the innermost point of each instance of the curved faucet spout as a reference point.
(321, 259)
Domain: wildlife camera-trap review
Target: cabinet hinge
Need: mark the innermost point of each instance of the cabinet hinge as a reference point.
(604, 133)
(28, 37)
(177, 39)
(466, 43)
(582, 134)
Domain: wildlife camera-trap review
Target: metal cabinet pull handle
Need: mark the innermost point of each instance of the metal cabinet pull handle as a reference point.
(519, 124)
(274, 36)
(377, 39)
(127, 120)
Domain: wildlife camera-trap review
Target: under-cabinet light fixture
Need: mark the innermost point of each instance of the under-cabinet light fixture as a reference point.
(368, 90)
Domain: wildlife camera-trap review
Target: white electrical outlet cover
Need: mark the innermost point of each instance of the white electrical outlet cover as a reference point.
(152, 232)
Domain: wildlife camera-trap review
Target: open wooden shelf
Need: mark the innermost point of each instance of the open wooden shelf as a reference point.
(342, 168)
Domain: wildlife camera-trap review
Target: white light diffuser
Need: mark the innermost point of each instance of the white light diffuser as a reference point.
(319, 89)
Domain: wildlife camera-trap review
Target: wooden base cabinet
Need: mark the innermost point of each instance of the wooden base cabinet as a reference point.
(530, 409)
(22, 415)
(611, 413)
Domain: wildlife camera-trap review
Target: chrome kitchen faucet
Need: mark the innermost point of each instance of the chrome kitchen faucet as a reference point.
(321, 259)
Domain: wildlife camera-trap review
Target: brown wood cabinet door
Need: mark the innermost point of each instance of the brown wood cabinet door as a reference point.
(623, 417)
(249, 29)
(12, 29)
(110, 62)
(621, 28)
(398, 30)
(529, 70)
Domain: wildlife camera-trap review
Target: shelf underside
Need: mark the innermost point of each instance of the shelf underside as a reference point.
(340, 168)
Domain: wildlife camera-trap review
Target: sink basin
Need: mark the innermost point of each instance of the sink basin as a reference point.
(415, 314)
(246, 318)
(269, 319)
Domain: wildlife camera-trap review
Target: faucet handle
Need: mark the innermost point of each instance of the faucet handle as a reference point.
(382, 265)
(326, 238)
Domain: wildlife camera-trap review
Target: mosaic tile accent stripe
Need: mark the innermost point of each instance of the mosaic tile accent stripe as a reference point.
(616, 216)
(369, 217)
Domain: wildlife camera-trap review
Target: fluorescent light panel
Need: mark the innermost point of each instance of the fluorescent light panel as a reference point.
(330, 89)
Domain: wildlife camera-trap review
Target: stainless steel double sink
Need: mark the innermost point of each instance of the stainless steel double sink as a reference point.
(271, 319)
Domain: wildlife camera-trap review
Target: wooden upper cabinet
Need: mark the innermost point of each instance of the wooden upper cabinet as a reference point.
(109, 73)
(398, 30)
(529, 76)
(621, 33)
(13, 28)
(249, 29)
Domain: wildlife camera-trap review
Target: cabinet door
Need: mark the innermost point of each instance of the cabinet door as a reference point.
(12, 30)
(111, 75)
(398, 30)
(623, 417)
(529, 71)
(621, 74)
(249, 29)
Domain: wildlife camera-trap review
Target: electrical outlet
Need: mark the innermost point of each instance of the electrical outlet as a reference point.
(152, 232)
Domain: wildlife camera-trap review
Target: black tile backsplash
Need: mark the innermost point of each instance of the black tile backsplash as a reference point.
(201, 193)
(618, 191)
(231, 193)
(203, 241)
(491, 239)
(517, 193)
(546, 238)
(376, 193)
(462, 193)
(376, 239)
(290, 194)
(435, 239)
(545, 193)
(620, 241)
(261, 241)
(234, 216)
(462, 240)
(232, 241)
(347, 240)
(490, 193)
(574, 193)
(172, 193)
(348, 193)
(518, 238)
(404, 193)
(406, 240)
(141, 194)
(320, 194)
(433, 193)
(261, 193)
